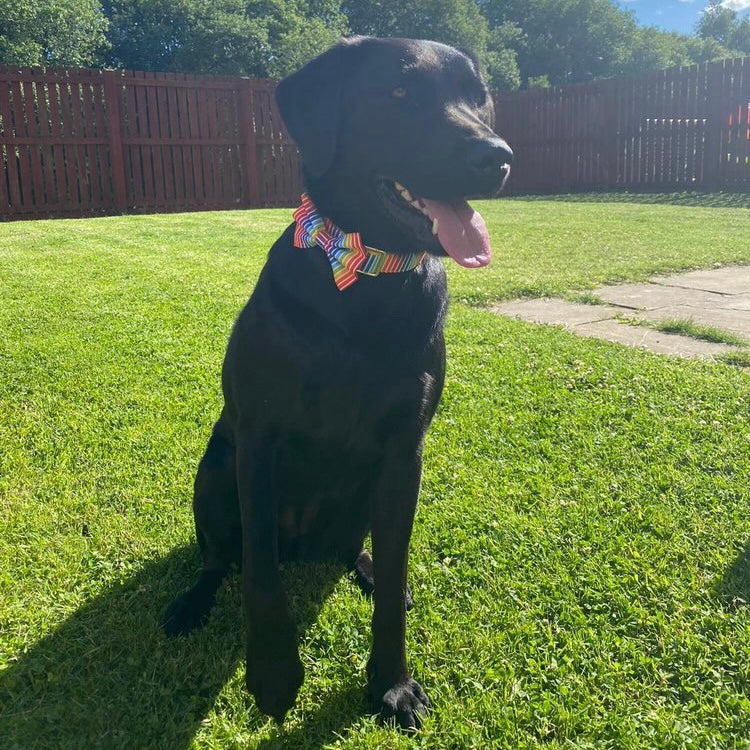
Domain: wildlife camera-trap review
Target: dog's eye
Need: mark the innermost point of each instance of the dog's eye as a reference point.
(399, 93)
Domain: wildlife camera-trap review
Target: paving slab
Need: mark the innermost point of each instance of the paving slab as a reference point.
(736, 321)
(726, 280)
(732, 302)
(653, 296)
(556, 311)
(718, 297)
(655, 341)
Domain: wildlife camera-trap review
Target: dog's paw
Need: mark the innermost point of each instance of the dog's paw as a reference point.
(406, 702)
(365, 579)
(188, 611)
(274, 681)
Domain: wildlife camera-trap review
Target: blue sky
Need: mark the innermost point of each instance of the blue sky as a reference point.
(675, 15)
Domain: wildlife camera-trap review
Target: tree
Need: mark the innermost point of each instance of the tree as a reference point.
(188, 36)
(501, 59)
(228, 37)
(301, 43)
(51, 32)
(456, 22)
(724, 26)
(565, 40)
(653, 49)
(301, 30)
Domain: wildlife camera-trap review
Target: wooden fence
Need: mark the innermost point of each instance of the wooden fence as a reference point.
(680, 128)
(77, 142)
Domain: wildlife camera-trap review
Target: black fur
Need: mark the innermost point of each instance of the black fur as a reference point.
(328, 394)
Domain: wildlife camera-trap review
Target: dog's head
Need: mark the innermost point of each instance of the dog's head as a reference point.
(395, 134)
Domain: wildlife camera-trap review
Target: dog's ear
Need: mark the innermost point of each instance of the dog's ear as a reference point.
(310, 105)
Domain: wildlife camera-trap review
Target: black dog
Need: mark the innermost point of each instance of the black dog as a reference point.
(332, 376)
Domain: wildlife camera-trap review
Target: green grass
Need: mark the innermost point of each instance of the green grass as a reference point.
(581, 554)
(739, 358)
(688, 327)
(550, 248)
(700, 198)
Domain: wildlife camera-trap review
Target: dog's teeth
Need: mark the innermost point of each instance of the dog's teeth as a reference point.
(434, 226)
(405, 194)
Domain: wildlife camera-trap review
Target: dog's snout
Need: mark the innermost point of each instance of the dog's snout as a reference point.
(490, 156)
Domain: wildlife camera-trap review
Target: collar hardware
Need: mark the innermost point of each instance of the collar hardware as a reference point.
(373, 266)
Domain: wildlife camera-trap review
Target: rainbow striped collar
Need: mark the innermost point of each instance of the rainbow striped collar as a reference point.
(347, 254)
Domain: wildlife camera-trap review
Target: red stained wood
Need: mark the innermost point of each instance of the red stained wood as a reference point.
(77, 142)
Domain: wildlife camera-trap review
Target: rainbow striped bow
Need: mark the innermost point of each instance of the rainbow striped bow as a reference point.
(347, 254)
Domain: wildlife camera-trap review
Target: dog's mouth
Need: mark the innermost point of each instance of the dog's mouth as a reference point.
(452, 225)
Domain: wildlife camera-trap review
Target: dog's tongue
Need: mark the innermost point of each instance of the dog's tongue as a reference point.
(461, 232)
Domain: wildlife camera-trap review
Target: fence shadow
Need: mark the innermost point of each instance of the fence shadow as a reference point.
(699, 198)
(108, 677)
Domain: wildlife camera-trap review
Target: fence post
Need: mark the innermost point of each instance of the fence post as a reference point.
(712, 166)
(609, 134)
(247, 125)
(112, 96)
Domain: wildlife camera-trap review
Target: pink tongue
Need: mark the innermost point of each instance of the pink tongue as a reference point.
(461, 231)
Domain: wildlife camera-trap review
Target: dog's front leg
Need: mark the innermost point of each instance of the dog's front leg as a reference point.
(274, 669)
(394, 692)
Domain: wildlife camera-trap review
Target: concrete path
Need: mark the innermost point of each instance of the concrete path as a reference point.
(719, 298)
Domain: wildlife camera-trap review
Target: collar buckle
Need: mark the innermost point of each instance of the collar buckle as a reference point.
(378, 259)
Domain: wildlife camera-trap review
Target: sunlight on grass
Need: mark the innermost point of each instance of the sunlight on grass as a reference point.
(581, 554)
(547, 248)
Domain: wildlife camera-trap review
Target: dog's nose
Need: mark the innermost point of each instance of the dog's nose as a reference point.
(489, 156)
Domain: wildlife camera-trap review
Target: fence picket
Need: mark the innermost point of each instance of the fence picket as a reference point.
(77, 142)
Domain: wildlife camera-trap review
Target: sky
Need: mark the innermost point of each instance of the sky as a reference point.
(676, 15)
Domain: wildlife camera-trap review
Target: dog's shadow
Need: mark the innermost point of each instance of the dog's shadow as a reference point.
(108, 677)
(734, 587)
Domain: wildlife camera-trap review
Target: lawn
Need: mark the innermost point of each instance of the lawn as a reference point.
(581, 554)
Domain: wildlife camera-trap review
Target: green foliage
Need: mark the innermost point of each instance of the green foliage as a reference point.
(501, 59)
(456, 22)
(275, 37)
(300, 44)
(229, 37)
(526, 43)
(299, 31)
(566, 40)
(195, 36)
(51, 32)
(653, 49)
(538, 82)
(725, 27)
